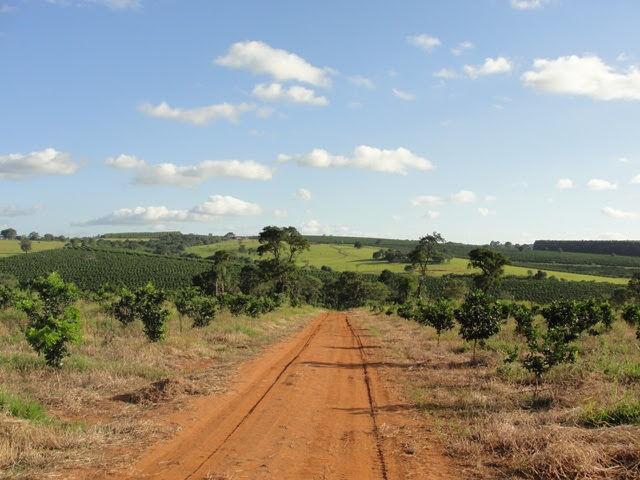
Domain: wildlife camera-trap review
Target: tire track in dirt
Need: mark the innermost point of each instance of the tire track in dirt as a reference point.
(305, 409)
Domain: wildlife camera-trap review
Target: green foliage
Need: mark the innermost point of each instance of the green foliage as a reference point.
(634, 287)
(242, 304)
(149, 307)
(351, 290)
(123, 308)
(438, 314)
(7, 295)
(631, 315)
(25, 244)
(574, 317)
(91, 268)
(428, 250)
(53, 320)
(184, 300)
(203, 310)
(491, 265)
(479, 317)
(610, 247)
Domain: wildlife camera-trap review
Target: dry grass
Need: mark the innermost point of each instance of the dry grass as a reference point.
(102, 405)
(486, 414)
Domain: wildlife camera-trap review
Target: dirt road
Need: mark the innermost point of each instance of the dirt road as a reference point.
(307, 409)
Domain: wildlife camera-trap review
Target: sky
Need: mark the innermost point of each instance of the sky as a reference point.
(509, 120)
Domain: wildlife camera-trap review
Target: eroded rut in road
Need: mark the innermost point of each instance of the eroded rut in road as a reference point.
(304, 410)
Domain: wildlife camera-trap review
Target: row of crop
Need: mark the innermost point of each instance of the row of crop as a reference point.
(602, 270)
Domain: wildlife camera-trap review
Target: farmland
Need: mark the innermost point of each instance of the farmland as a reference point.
(12, 247)
(345, 257)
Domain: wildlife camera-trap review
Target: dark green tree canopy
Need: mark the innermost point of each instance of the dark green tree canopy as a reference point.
(491, 265)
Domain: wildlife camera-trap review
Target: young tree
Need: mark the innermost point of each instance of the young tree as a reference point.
(428, 249)
(203, 310)
(491, 265)
(357, 244)
(7, 296)
(149, 307)
(54, 321)
(631, 315)
(438, 314)
(634, 287)
(479, 317)
(123, 308)
(25, 244)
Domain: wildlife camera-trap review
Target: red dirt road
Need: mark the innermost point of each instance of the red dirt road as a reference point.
(307, 409)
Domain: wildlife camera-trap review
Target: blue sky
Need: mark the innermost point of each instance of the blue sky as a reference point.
(484, 120)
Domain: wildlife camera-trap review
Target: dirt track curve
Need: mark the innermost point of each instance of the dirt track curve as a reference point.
(307, 409)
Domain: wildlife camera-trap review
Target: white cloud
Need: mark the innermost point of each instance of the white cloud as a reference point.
(275, 92)
(303, 194)
(43, 162)
(427, 200)
(464, 196)
(226, 205)
(636, 180)
(402, 95)
(424, 42)
(527, 4)
(491, 66)
(584, 76)
(15, 211)
(446, 73)
(214, 207)
(260, 58)
(624, 160)
(199, 115)
(564, 184)
(597, 184)
(619, 214)
(486, 212)
(490, 198)
(314, 227)
(462, 47)
(397, 161)
(432, 214)
(361, 81)
(189, 175)
(280, 213)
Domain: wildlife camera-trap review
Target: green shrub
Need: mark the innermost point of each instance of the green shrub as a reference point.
(479, 317)
(21, 407)
(149, 307)
(53, 320)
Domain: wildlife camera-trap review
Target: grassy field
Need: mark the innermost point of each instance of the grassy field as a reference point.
(349, 258)
(12, 247)
(585, 423)
(103, 398)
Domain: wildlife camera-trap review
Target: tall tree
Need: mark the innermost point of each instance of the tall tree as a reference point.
(270, 240)
(428, 250)
(491, 265)
(295, 241)
(9, 234)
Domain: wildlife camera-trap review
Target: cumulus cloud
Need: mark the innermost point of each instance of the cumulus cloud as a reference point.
(564, 184)
(464, 196)
(597, 184)
(402, 95)
(214, 207)
(49, 161)
(397, 161)
(199, 115)
(491, 66)
(188, 175)
(583, 76)
(424, 41)
(432, 214)
(260, 58)
(427, 200)
(279, 213)
(15, 211)
(275, 92)
(636, 180)
(619, 214)
(303, 194)
(462, 47)
(527, 4)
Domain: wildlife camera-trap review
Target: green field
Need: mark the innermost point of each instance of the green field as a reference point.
(347, 257)
(12, 247)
